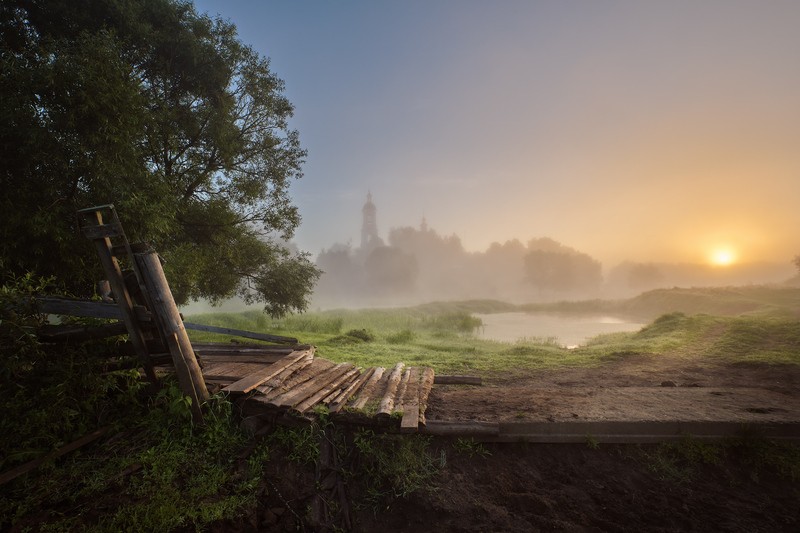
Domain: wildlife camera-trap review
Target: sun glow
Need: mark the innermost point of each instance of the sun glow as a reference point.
(723, 257)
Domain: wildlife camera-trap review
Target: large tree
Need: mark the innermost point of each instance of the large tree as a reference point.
(165, 113)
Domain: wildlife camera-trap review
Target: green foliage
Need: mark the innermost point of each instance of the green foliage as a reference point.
(165, 113)
(63, 391)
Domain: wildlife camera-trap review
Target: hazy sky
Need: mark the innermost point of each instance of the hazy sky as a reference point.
(650, 131)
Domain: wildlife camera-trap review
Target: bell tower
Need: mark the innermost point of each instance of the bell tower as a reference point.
(369, 226)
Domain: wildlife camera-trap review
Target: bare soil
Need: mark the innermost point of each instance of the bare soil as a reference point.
(634, 388)
(581, 487)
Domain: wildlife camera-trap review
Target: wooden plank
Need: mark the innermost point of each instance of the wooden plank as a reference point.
(278, 380)
(401, 390)
(340, 400)
(425, 385)
(316, 367)
(246, 348)
(410, 421)
(296, 395)
(73, 307)
(457, 380)
(255, 379)
(241, 333)
(102, 231)
(387, 402)
(336, 384)
(368, 391)
(256, 360)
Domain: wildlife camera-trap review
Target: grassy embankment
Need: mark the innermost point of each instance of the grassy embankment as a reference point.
(735, 324)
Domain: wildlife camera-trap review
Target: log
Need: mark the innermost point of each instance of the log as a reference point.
(250, 382)
(410, 421)
(387, 402)
(457, 380)
(170, 324)
(425, 385)
(369, 389)
(310, 387)
(337, 383)
(401, 390)
(340, 400)
(241, 333)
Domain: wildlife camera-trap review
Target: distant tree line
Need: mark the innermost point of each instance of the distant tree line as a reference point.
(420, 264)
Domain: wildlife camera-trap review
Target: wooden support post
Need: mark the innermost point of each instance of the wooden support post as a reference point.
(111, 267)
(170, 324)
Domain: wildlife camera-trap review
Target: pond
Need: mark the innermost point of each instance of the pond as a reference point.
(568, 331)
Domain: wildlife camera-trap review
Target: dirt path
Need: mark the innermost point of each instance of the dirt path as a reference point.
(634, 388)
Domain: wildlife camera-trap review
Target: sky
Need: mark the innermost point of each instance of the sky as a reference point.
(628, 130)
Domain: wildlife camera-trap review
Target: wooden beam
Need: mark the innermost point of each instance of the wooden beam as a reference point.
(410, 421)
(255, 379)
(317, 366)
(241, 333)
(425, 385)
(170, 322)
(73, 307)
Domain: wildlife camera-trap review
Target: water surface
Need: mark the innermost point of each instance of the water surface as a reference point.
(566, 330)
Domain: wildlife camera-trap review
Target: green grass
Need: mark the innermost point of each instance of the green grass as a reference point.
(441, 334)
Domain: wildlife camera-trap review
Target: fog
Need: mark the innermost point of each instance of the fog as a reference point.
(413, 265)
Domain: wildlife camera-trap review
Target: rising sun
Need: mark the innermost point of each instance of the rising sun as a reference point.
(723, 257)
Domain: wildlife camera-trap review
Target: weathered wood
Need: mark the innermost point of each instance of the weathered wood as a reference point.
(189, 385)
(368, 391)
(310, 387)
(340, 400)
(254, 359)
(72, 307)
(102, 231)
(335, 384)
(229, 348)
(461, 428)
(401, 390)
(316, 367)
(410, 421)
(425, 385)
(278, 380)
(53, 333)
(14, 473)
(122, 296)
(457, 380)
(387, 402)
(241, 333)
(255, 379)
(169, 321)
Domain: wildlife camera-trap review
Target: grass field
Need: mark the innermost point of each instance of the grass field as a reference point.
(736, 324)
